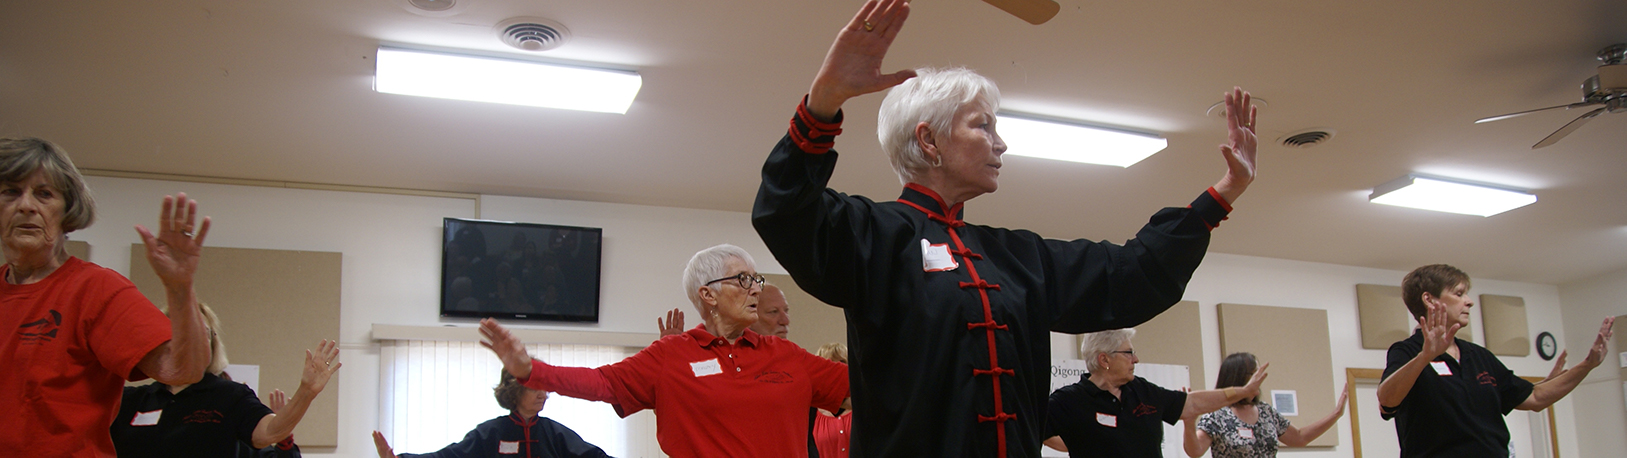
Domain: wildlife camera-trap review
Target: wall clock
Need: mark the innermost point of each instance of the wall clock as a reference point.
(1547, 347)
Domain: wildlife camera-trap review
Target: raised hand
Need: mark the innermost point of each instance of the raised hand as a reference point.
(382, 445)
(174, 251)
(1252, 389)
(508, 348)
(674, 324)
(278, 401)
(1595, 355)
(1559, 366)
(1439, 330)
(1239, 150)
(319, 366)
(853, 65)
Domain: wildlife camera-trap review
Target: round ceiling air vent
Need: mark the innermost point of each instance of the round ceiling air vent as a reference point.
(1306, 138)
(434, 8)
(532, 34)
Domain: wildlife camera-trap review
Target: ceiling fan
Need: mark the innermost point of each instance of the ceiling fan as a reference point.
(1608, 88)
(1034, 11)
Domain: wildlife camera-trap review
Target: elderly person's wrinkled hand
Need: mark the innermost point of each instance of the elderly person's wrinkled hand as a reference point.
(319, 366)
(1239, 152)
(674, 324)
(175, 250)
(508, 348)
(853, 65)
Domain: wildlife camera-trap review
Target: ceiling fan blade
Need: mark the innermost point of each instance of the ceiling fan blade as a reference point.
(1563, 131)
(1526, 112)
(1034, 11)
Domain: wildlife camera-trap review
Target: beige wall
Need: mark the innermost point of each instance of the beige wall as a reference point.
(1602, 419)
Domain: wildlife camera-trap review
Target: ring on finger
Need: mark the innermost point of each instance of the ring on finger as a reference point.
(868, 26)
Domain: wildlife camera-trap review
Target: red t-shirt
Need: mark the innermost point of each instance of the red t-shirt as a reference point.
(713, 399)
(71, 340)
(831, 434)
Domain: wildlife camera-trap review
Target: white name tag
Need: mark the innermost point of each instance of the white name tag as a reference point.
(1440, 368)
(705, 368)
(146, 418)
(1111, 421)
(508, 448)
(936, 258)
(1245, 433)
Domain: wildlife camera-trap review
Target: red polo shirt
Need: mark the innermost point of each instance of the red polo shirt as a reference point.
(712, 398)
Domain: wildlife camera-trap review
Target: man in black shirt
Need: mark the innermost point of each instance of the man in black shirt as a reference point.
(1447, 395)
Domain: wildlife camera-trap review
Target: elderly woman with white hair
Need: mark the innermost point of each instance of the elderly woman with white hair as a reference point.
(1111, 412)
(949, 322)
(719, 389)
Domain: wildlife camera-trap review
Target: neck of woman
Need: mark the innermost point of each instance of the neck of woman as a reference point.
(32, 267)
(1105, 384)
(950, 193)
(722, 329)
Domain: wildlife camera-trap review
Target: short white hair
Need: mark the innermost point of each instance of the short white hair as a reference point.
(710, 264)
(932, 97)
(1100, 342)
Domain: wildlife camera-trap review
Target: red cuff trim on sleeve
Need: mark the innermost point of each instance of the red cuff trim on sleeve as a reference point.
(812, 135)
(286, 443)
(1222, 200)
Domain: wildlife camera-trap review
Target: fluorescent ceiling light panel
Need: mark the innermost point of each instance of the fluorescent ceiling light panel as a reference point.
(1077, 143)
(1449, 196)
(514, 82)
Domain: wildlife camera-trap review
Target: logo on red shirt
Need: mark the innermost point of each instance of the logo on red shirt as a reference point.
(204, 416)
(1485, 378)
(40, 331)
(1144, 410)
(775, 377)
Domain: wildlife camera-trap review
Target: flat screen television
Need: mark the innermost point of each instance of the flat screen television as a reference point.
(520, 271)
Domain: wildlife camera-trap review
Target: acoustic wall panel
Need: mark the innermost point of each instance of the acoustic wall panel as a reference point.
(1295, 342)
(79, 250)
(1503, 320)
(1173, 337)
(273, 305)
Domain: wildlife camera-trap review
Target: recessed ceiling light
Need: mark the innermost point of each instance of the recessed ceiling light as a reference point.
(1064, 141)
(1451, 196)
(507, 81)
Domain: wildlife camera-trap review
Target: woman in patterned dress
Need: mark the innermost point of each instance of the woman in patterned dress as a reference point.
(1250, 428)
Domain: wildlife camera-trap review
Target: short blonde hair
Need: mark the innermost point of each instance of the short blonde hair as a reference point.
(834, 351)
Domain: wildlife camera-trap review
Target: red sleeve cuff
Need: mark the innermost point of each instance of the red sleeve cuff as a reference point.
(812, 135)
(287, 443)
(1221, 200)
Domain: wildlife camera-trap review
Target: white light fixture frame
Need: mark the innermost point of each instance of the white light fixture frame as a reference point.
(507, 81)
(1450, 195)
(1036, 136)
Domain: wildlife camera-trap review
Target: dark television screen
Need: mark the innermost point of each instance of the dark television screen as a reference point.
(520, 271)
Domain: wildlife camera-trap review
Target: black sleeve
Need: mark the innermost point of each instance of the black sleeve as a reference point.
(567, 444)
(476, 444)
(1400, 353)
(1173, 402)
(246, 412)
(1511, 389)
(1101, 285)
(1058, 413)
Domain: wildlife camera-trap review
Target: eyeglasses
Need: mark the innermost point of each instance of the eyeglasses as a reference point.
(744, 280)
(1132, 353)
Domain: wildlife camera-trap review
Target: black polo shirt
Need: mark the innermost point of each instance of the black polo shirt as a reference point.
(207, 419)
(1459, 413)
(1092, 422)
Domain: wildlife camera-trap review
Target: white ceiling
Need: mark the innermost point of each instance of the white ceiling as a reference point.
(282, 91)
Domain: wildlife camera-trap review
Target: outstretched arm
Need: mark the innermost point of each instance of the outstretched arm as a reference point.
(1240, 147)
(1550, 391)
(319, 367)
(1202, 402)
(1438, 332)
(1296, 437)
(853, 65)
(576, 382)
(173, 254)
